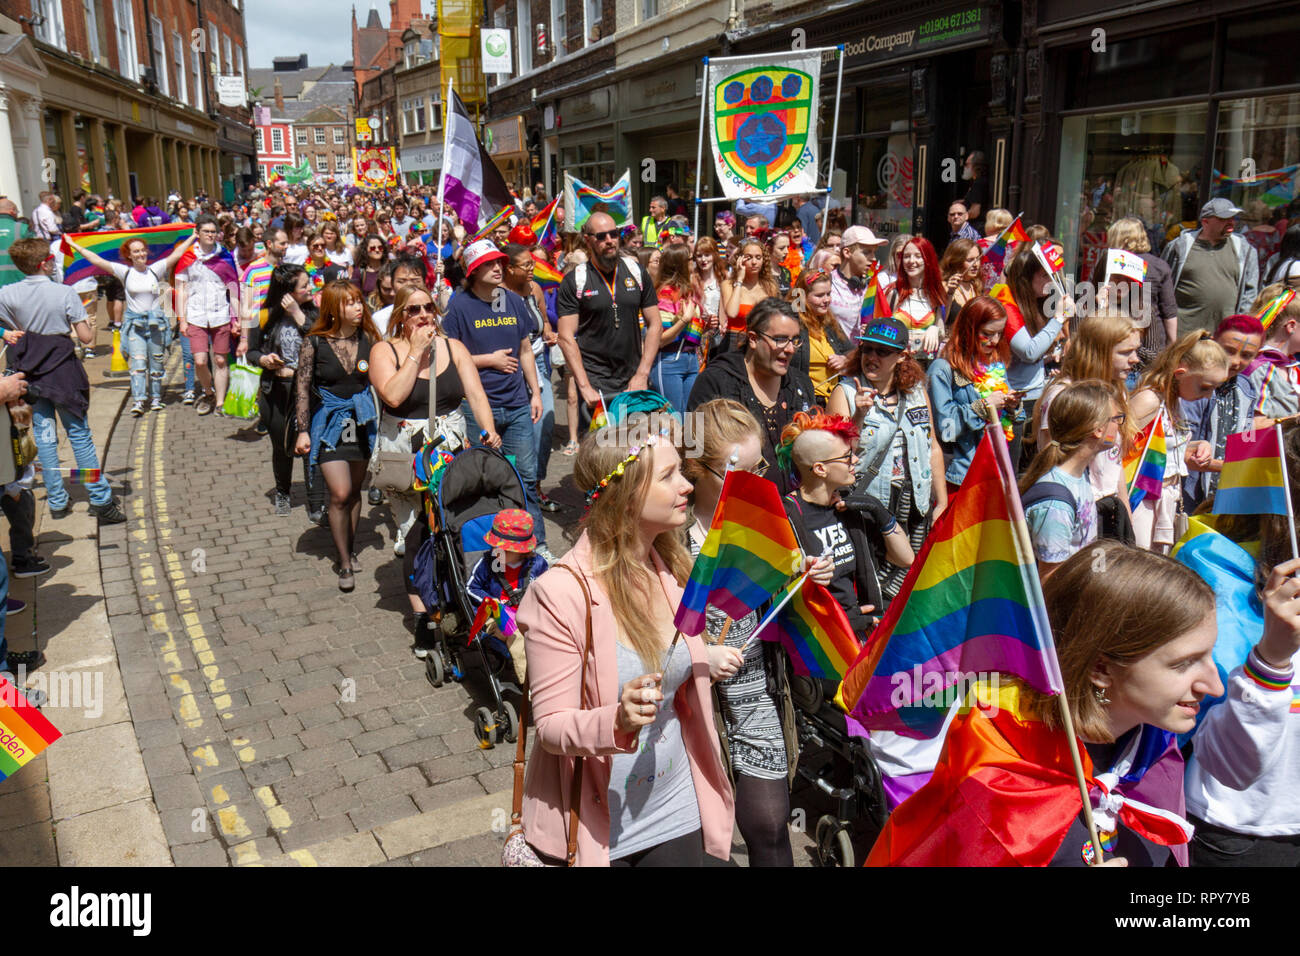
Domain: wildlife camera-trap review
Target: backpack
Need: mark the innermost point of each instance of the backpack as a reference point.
(1041, 491)
(580, 273)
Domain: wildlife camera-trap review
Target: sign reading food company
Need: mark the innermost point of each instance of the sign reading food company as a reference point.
(763, 123)
(496, 51)
(916, 38)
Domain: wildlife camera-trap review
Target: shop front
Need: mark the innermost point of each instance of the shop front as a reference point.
(586, 137)
(1181, 106)
(420, 164)
(658, 131)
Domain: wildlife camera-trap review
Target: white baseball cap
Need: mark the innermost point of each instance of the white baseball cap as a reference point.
(480, 253)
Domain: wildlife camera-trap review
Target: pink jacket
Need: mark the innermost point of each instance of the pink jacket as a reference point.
(552, 618)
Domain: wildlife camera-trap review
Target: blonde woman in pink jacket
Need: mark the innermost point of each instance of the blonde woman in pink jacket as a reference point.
(654, 789)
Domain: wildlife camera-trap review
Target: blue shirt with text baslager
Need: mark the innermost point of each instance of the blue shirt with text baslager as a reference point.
(501, 322)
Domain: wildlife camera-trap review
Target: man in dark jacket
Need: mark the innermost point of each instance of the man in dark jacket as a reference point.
(760, 377)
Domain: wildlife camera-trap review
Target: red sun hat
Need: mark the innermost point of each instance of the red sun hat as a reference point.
(512, 530)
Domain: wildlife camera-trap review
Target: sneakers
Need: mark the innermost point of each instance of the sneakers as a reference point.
(188, 398)
(137, 408)
(57, 513)
(109, 512)
(206, 403)
(546, 503)
(282, 509)
(425, 639)
(88, 353)
(544, 553)
(14, 606)
(29, 659)
(156, 405)
(318, 518)
(375, 496)
(29, 567)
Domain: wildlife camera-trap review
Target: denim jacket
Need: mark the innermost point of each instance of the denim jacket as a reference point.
(879, 427)
(953, 397)
(332, 413)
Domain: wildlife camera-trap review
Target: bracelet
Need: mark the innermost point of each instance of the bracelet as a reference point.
(412, 357)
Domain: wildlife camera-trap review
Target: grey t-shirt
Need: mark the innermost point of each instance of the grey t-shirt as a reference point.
(39, 304)
(651, 792)
(1207, 287)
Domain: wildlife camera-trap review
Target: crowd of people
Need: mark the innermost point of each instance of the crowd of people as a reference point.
(380, 323)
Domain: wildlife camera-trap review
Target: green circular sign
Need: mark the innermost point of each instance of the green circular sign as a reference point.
(496, 45)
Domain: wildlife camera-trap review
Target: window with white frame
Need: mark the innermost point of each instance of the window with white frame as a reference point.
(261, 140)
(92, 28)
(559, 26)
(413, 115)
(159, 55)
(318, 135)
(524, 30)
(322, 163)
(49, 14)
(338, 136)
(435, 113)
(178, 62)
(300, 137)
(590, 21)
(341, 164)
(277, 140)
(227, 58)
(127, 60)
(649, 10)
(214, 48)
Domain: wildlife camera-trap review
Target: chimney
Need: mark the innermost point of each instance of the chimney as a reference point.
(279, 95)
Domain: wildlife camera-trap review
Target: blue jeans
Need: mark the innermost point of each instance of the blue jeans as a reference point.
(146, 338)
(188, 355)
(544, 428)
(674, 376)
(515, 426)
(46, 434)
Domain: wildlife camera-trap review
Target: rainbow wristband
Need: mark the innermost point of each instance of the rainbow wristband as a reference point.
(1254, 669)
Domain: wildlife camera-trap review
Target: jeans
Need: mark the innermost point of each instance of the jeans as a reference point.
(187, 354)
(515, 426)
(83, 449)
(674, 376)
(146, 338)
(544, 427)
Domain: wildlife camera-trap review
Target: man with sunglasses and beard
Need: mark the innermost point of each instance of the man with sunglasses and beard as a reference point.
(600, 304)
(761, 379)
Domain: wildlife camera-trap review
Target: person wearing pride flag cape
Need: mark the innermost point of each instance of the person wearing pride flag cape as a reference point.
(1134, 673)
(1242, 775)
(1188, 370)
(624, 720)
(1274, 374)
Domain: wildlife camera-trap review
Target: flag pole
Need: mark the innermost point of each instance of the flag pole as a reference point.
(1025, 548)
(442, 173)
(699, 149)
(1286, 493)
(767, 618)
(1145, 448)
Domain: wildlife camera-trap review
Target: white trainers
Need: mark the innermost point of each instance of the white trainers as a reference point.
(137, 408)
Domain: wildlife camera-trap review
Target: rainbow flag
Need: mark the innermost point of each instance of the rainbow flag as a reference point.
(581, 200)
(1144, 465)
(1274, 308)
(875, 305)
(161, 239)
(599, 419)
(493, 610)
(996, 253)
(501, 216)
(971, 603)
(694, 330)
(24, 731)
(545, 228)
(749, 554)
(547, 276)
(1253, 481)
(815, 631)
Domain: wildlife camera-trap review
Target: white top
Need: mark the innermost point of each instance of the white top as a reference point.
(343, 258)
(1106, 471)
(295, 255)
(381, 318)
(207, 302)
(142, 286)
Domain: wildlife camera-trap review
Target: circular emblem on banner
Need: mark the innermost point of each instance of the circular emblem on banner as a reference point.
(363, 366)
(495, 43)
(760, 139)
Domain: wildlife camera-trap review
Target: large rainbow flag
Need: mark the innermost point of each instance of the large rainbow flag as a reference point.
(1144, 465)
(581, 200)
(161, 239)
(750, 553)
(24, 731)
(971, 603)
(1253, 481)
(815, 631)
(544, 226)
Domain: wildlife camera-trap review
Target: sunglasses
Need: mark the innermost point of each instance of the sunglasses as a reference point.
(604, 236)
(420, 308)
(759, 469)
(880, 351)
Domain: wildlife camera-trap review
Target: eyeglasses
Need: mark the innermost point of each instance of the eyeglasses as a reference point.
(1119, 419)
(759, 469)
(420, 308)
(604, 236)
(783, 341)
(844, 458)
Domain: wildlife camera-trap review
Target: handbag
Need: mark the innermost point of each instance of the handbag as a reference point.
(392, 471)
(517, 851)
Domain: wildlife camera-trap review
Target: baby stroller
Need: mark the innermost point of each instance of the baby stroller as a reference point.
(838, 764)
(476, 484)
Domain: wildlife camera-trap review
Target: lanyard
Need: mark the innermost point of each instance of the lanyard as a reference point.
(613, 296)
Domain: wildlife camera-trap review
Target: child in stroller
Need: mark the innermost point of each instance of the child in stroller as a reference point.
(503, 574)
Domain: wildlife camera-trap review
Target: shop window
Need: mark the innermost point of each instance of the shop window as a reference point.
(1256, 160)
(1140, 69)
(885, 109)
(886, 183)
(1254, 50)
(1139, 163)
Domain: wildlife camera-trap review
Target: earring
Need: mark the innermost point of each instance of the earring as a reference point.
(1100, 694)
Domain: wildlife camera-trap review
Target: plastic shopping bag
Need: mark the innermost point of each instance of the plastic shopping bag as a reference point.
(241, 397)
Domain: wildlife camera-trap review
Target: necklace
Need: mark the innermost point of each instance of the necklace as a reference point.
(993, 378)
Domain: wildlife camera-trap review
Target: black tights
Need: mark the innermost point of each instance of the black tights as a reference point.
(343, 479)
(685, 850)
(763, 814)
(278, 416)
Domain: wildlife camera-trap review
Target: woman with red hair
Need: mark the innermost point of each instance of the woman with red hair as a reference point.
(968, 382)
(919, 298)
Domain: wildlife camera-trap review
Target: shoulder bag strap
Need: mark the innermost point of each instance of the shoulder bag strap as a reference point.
(868, 474)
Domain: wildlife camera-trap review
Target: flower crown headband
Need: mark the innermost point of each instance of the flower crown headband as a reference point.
(633, 453)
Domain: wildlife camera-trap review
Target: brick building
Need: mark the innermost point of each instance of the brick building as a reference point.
(312, 109)
(376, 47)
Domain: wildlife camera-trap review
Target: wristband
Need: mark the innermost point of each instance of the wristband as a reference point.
(1265, 675)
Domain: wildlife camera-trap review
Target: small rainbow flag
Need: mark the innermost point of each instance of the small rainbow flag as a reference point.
(970, 603)
(1274, 308)
(749, 554)
(24, 731)
(503, 615)
(502, 215)
(1253, 478)
(547, 276)
(545, 228)
(815, 631)
(599, 419)
(996, 253)
(161, 239)
(1144, 465)
(874, 303)
(79, 476)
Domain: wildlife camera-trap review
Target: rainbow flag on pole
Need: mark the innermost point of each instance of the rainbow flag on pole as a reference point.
(1252, 481)
(1274, 308)
(599, 417)
(815, 631)
(971, 603)
(874, 303)
(547, 276)
(750, 553)
(24, 731)
(996, 253)
(545, 228)
(501, 216)
(493, 610)
(1144, 465)
(161, 240)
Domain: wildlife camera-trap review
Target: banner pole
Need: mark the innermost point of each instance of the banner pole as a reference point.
(1286, 492)
(442, 173)
(835, 129)
(699, 149)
